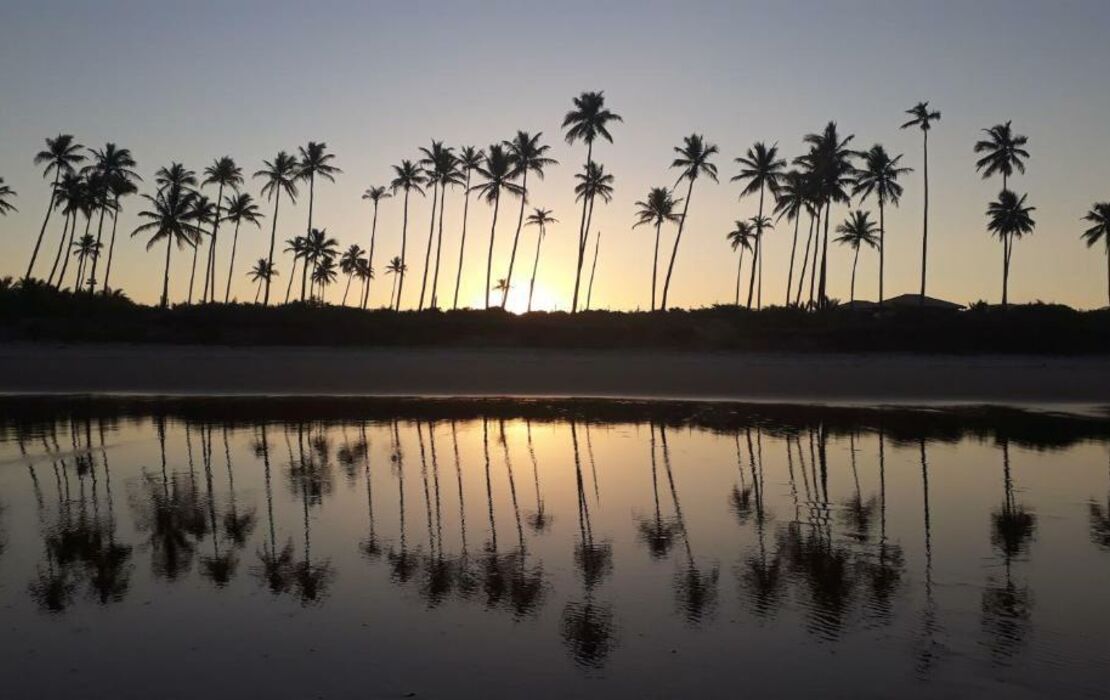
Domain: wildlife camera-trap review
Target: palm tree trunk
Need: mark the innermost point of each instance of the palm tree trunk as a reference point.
(350, 276)
(882, 248)
(311, 201)
(805, 263)
(492, 230)
(193, 274)
(755, 258)
(96, 250)
(855, 261)
(1005, 269)
(516, 237)
(166, 276)
(822, 295)
(739, 267)
(674, 251)
(1108, 270)
(535, 267)
(428, 250)
(793, 248)
(210, 268)
(925, 219)
(273, 237)
(655, 263)
(68, 247)
(111, 246)
(304, 276)
(292, 276)
(813, 266)
(462, 243)
(42, 231)
(61, 243)
(370, 256)
(231, 264)
(582, 235)
(257, 291)
(434, 303)
(404, 243)
(593, 270)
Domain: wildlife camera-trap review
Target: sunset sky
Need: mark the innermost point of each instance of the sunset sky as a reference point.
(375, 81)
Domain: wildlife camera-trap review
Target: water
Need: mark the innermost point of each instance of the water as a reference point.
(550, 549)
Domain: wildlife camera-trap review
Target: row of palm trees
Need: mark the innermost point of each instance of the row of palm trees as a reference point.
(93, 183)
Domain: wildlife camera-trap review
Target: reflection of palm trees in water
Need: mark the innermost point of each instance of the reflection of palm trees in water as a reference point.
(276, 567)
(928, 646)
(237, 526)
(402, 562)
(884, 571)
(760, 575)
(438, 576)
(540, 520)
(1100, 522)
(1006, 605)
(858, 514)
(657, 532)
(371, 546)
(740, 500)
(526, 584)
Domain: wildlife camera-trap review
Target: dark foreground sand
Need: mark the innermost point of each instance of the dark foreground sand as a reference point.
(168, 369)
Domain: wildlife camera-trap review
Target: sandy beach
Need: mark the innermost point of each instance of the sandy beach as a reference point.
(888, 378)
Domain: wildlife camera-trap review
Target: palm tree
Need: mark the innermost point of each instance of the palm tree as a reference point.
(762, 170)
(262, 271)
(502, 286)
(314, 162)
(408, 177)
(204, 211)
(588, 120)
(591, 183)
(281, 176)
(224, 173)
(1009, 218)
(376, 195)
(923, 119)
(395, 268)
(879, 178)
(830, 162)
(86, 247)
(693, 160)
(364, 273)
(60, 156)
(526, 154)
(176, 175)
(435, 158)
(6, 194)
(1099, 216)
(349, 264)
(319, 248)
(470, 159)
(790, 201)
(658, 207)
(541, 218)
(856, 231)
(110, 164)
(1004, 152)
(70, 195)
(497, 173)
(99, 201)
(170, 217)
(323, 275)
(240, 207)
(298, 246)
(740, 238)
(77, 202)
(593, 271)
(121, 185)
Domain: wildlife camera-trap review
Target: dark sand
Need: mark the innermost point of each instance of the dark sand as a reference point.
(888, 378)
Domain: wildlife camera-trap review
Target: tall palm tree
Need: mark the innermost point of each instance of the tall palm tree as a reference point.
(497, 175)
(79, 202)
(408, 177)
(68, 200)
(260, 273)
(741, 238)
(169, 217)
(448, 174)
(120, 186)
(592, 182)
(693, 161)
(526, 154)
(86, 247)
(298, 247)
(111, 164)
(1099, 216)
(364, 273)
(923, 118)
(830, 161)
(204, 211)
(541, 218)
(434, 161)
(176, 175)
(349, 263)
(1004, 152)
(240, 207)
(1009, 218)
(223, 173)
(762, 170)
(470, 159)
(314, 162)
(281, 176)
(858, 230)
(790, 201)
(100, 200)
(588, 120)
(658, 207)
(62, 153)
(319, 248)
(395, 268)
(323, 275)
(375, 195)
(6, 195)
(879, 178)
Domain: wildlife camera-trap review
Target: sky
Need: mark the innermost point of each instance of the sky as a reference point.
(194, 81)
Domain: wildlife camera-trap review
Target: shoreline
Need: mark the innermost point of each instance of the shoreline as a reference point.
(850, 378)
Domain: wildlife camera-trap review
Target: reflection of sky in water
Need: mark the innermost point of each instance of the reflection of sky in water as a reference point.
(552, 557)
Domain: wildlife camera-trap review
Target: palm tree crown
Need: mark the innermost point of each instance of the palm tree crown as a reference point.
(1099, 217)
(280, 175)
(1004, 152)
(923, 117)
(497, 173)
(858, 230)
(61, 155)
(376, 194)
(879, 176)
(6, 195)
(761, 168)
(542, 218)
(658, 208)
(593, 181)
(1008, 216)
(241, 208)
(693, 159)
(589, 119)
(223, 172)
(315, 162)
(527, 154)
(741, 236)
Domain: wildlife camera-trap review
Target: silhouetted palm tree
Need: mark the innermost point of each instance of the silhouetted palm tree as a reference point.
(657, 208)
(434, 158)
(297, 246)
(693, 160)
(240, 207)
(318, 247)
(280, 176)
(7, 194)
(858, 230)
(62, 153)
(223, 173)
(592, 183)
(408, 177)
(171, 217)
(447, 174)
(348, 265)
(324, 275)
(762, 170)
(879, 178)
(374, 194)
(71, 197)
(1099, 216)
(923, 119)
(1003, 153)
(85, 248)
(593, 271)
(113, 167)
(261, 272)
(541, 218)
(395, 268)
(588, 120)
(497, 173)
(469, 160)
(791, 201)
(314, 162)
(501, 286)
(1009, 219)
(830, 161)
(204, 212)
(120, 186)
(740, 238)
(176, 175)
(526, 154)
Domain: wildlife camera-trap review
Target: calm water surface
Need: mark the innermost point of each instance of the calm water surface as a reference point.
(160, 552)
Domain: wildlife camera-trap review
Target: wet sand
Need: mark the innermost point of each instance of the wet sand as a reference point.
(887, 378)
